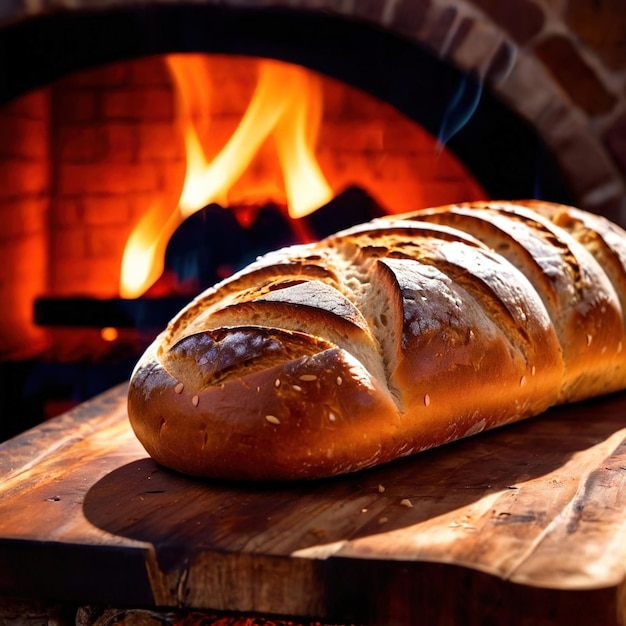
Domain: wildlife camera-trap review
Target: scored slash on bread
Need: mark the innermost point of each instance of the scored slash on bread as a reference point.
(391, 337)
(575, 289)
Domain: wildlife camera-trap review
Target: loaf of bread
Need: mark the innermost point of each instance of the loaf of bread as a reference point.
(391, 337)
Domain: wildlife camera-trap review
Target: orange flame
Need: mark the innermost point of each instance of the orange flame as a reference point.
(286, 105)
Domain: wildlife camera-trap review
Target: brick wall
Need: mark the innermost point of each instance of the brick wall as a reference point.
(24, 212)
(115, 149)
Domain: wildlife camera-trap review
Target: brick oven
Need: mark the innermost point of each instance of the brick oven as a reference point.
(423, 102)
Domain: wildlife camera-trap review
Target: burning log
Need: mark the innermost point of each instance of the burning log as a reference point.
(352, 206)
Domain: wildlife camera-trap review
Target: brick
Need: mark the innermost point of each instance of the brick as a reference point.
(69, 243)
(75, 179)
(68, 278)
(94, 143)
(554, 119)
(585, 164)
(114, 74)
(438, 26)
(93, 277)
(353, 137)
(74, 106)
(501, 63)
(80, 144)
(30, 265)
(156, 104)
(118, 104)
(145, 177)
(408, 16)
(461, 33)
(33, 212)
(66, 212)
(372, 10)
(159, 141)
(107, 177)
(23, 217)
(334, 98)
(23, 137)
(106, 210)
(474, 44)
(21, 258)
(575, 76)
(22, 178)
(341, 102)
(121, 142)
(601, 25)
(615, 140)
(105, 241)
(522, 19)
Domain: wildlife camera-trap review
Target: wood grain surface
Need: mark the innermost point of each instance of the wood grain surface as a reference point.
(525, 522)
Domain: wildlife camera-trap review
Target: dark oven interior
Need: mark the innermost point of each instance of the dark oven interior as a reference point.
(307, 117)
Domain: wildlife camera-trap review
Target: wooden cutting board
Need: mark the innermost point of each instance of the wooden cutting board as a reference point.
(525, 524)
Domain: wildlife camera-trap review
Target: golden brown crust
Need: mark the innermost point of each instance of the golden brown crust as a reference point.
(385, 339)
(316, 415)
(579, 296)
